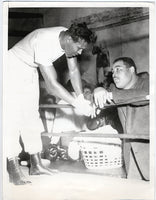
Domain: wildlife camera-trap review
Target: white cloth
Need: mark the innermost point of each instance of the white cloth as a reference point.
(107, 129)
(41, 46)
(22, 88)
(67, 120)
(78, 142)
(82, 106)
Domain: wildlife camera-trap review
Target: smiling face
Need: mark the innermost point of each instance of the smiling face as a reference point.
(74, 48)
(122, 75)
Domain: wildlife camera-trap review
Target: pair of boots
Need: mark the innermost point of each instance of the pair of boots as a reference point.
(36, 168)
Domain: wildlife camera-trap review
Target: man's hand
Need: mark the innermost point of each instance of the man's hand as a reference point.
(101, 96)
(83, 106)
(95, 111)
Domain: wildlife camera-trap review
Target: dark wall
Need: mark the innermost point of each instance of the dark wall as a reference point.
(22, 21)
(126, 31)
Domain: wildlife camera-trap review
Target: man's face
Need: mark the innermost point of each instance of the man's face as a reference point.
(75, 48)
(122, 75)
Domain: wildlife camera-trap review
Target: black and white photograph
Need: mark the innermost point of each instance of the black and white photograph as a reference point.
(78, 100)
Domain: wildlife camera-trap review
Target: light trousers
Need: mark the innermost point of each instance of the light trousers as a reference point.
(21, 104)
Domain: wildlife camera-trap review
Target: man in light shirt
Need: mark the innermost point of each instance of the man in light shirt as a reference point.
(38, 50)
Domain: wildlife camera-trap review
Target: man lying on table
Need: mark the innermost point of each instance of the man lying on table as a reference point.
(128, 85)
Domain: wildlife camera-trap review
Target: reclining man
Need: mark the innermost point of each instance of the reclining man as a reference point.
(128, 85)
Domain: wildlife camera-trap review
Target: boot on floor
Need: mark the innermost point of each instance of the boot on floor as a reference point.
(15, 173)
(36, 166)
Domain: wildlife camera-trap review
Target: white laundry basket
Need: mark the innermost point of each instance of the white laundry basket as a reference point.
(101, 155)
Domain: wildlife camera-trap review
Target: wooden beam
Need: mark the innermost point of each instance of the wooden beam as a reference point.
(83, 134)
(139, 101)
(120, 23)
(112, 17)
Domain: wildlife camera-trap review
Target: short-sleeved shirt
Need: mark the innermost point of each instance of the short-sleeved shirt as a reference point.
(41, 46)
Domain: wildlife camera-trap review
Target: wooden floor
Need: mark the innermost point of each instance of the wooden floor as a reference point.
(79, 167)
(74, 182)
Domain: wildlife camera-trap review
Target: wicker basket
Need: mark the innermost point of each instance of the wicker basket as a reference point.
(101, 155)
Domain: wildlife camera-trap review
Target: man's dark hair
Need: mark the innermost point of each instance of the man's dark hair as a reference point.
(80, 30)
(129, 62)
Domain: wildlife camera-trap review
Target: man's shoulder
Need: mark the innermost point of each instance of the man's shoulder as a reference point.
(50, 31)
(143, 75)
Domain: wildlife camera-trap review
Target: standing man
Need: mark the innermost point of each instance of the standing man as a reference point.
(38, 50)
(130, 86)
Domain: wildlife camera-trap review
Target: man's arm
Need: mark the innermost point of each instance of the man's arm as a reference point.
(74, 75)
(101, 95)
(54, 87)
